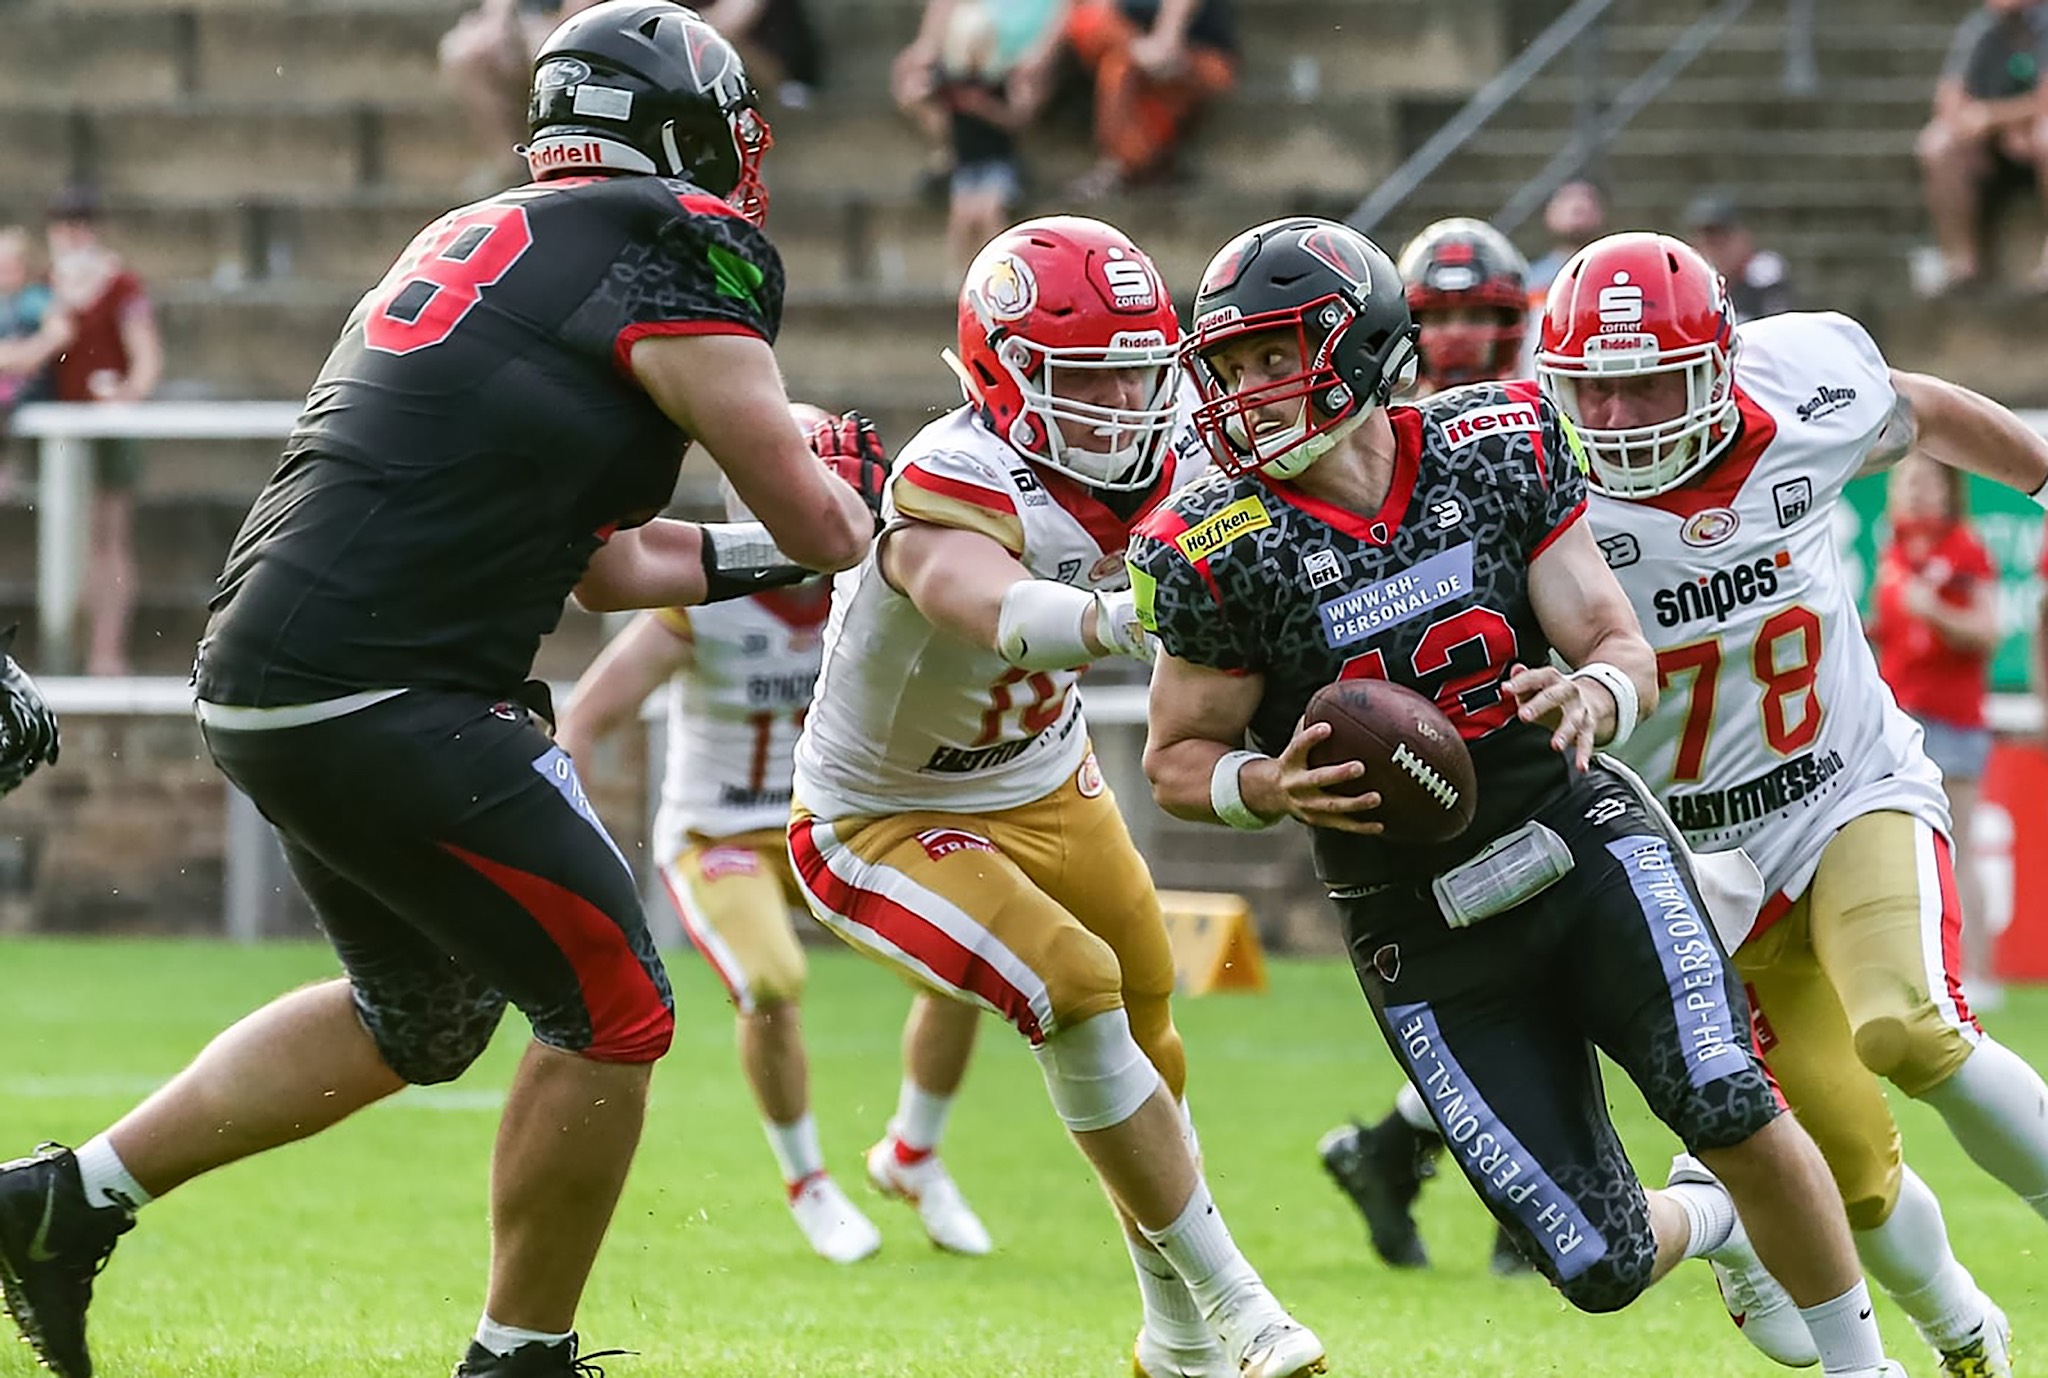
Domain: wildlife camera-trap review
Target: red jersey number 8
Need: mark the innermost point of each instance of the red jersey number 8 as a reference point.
(442, 274)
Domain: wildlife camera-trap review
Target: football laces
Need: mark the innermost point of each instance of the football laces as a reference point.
(1427, 776)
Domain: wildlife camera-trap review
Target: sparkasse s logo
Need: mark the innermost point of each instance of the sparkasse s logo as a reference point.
(1466, 427)
(1720, 592)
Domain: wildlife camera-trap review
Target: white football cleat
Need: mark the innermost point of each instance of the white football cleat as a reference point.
(1152, 1357)
(831, 1222)
(949, 1222)
(1265, 1340)
(1758, 1304)
(1987, 1353)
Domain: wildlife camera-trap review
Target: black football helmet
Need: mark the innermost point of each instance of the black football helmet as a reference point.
(1467, 263)
(648, 86)
(1337, 294)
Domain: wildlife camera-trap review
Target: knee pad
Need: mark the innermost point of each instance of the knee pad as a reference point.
(1081, 975)
(1613, 1282)
(1096, 1073)
(1913, 1049)
(433, 1039)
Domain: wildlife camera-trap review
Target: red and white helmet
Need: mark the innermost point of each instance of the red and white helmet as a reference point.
(1635, 304)
(1059, 297)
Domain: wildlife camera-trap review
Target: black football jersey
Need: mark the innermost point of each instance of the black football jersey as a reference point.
(475, 436)
(1430, 592)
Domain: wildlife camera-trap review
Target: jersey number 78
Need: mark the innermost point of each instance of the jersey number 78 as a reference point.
(1784, 658)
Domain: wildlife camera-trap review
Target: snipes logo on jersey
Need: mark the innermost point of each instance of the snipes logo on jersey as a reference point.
(1365, 613)
(1720, 593)
(1218, 530)
(1466, 427)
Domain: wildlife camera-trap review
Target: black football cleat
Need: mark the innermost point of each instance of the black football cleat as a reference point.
(52, 1246)
(534, 1360)
(1508, 1260)
(1382, 1170)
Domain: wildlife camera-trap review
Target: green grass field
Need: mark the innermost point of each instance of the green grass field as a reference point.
(361, 1253)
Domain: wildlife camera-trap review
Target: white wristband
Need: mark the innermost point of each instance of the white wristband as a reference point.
(1224, 797)
(1623, 690)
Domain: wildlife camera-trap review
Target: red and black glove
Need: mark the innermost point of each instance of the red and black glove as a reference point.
(852, 449)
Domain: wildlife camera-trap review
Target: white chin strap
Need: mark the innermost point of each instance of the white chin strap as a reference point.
(1294, 462)
(565, 152)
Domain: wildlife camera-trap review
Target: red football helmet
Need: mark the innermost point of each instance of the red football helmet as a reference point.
(1048, 308)
(1462, 263)
(1632, 305)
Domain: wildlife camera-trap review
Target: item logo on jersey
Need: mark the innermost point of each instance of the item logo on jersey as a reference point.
(1130, 284)
(1621, 304)
(1825, 400)
(1009, 291)
(1709, 527)
(1364, 613)
(1088, 779)
(1720, 593)
(1218, 530)
(722, 863)
(1794, 498)
(1447, 513)
(1033, 491)
(1466, 427)
(1621, 550)
(1323, 567)
(943, 842)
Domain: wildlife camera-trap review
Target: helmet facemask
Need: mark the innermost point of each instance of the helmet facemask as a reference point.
(1328, 408)
(1638, 462)
(1134, 440)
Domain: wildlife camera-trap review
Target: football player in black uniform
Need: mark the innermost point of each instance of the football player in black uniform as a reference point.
(500, 421)
(1443, 547)
(28, 729)
(1468, 294)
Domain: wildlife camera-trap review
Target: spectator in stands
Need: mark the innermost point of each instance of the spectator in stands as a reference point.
(1757, 281)
(488, 58)
(1934, 625)
(1990, 125)
(982, 125)
(1575, 216)
(1156, 65)
(777, 39)
(1026, 50)
(115, 355)
(31, 334)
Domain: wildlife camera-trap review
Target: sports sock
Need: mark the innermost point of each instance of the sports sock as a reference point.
(1199, 1246)
(106, 1178)
(1408, 1104)
(503, 1339)
(1997, 1107)
(795, 1146)
(1710, 1211)
(1170, 1311)
(1909, 1257)
(919, 1122)
(1845, 1334)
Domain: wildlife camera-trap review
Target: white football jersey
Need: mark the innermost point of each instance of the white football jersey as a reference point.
(734, 714)
(912, 717)
(1773, 728)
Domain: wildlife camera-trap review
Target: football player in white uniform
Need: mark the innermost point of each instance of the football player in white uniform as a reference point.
(1717, 455)
(739, 677)
(950, 818)
(1468, 291)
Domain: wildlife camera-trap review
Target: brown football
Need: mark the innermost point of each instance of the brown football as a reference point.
(1412, 754)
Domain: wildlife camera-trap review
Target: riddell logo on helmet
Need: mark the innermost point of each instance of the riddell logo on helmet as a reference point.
(562, 153)
(1466, 427)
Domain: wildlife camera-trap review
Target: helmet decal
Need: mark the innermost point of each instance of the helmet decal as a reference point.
(1009, 292)
(1621, 304)
(1339, 248)
(1131, 286)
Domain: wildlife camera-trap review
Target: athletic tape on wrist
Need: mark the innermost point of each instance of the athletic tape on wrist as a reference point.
(1623, 690)
(1225, 798)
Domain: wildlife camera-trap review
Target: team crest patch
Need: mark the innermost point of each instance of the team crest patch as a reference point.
(939, 843)
(1218, 530)
(1709, 527)
(1009, 291)
(1089, 778)
(1364, 613)
(1107, 567)
(722, 863)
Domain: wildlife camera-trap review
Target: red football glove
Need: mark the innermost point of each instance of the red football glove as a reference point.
(852, 449)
